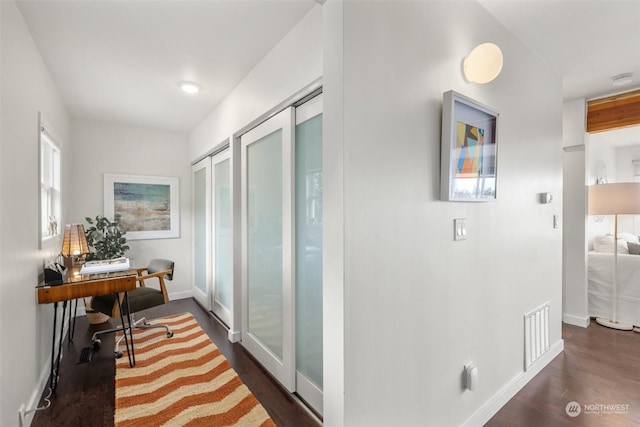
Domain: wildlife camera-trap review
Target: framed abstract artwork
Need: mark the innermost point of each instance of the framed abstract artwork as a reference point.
(149, 206)
(469, 162)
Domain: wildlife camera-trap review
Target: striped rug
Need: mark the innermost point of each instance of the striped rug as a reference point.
(182, 381)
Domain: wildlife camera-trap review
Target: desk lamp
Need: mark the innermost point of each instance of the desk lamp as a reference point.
(621, 198)
(74, 244)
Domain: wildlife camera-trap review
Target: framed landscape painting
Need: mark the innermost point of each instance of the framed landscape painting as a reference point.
(468, 165)
(148, 206)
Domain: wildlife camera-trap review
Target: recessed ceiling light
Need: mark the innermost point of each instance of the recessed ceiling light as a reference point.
(189, 87)
(622, 79)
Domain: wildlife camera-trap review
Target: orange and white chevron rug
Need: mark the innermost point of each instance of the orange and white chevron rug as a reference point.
(182, 381)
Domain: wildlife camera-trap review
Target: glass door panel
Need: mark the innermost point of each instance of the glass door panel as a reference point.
(268, 306)
(308, 251)
(264, 242)
(201, 184)
(222, 260)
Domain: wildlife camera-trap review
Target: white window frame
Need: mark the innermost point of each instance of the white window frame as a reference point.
(50, 202)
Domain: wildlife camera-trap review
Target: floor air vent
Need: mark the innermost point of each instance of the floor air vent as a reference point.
(536, 334)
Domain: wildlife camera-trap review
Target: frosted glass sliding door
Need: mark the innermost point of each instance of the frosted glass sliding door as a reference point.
(222, 256)
(201, 188)
(282, 206)
(308, 251)
(267, 234)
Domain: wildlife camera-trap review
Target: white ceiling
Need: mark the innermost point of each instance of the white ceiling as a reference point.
(586, 42)
(121, 60)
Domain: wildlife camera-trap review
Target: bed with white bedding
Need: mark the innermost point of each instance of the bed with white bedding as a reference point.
(600, 274)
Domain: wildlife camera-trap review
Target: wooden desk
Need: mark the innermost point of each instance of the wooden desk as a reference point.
(78, 285)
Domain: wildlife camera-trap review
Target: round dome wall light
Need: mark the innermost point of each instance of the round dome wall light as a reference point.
(189, 87)
(483, 64)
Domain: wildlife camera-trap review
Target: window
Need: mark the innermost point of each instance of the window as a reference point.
(49, 186)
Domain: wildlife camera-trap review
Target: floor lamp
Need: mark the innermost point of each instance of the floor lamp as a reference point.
(622, 198)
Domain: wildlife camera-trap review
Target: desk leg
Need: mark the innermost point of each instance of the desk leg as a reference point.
(55, 364)
(130, 350)
(53, 347)
(72, 321)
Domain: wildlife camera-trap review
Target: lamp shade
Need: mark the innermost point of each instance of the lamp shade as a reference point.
(619, 198)
(483, 64)
(75, 241)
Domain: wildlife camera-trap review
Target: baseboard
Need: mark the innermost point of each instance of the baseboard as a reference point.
(180, 295)
(43, 382)
(26, 419)
(484, 414)
(570, 319)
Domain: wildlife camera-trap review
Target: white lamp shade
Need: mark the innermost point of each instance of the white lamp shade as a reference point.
(619, 198)
(483, 64)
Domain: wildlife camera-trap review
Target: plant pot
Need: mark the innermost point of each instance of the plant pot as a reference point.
(94, 317)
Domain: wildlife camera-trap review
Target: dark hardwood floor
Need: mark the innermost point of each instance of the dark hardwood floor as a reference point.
(85, 393)
(599, 367)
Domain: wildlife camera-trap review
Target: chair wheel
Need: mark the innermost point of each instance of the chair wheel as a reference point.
(169, 334)
(118, 354)
(96, 344)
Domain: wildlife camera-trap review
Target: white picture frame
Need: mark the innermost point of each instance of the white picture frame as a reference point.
(469, 150)
(149, 206)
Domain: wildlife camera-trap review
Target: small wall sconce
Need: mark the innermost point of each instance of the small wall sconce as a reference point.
(546, 198)
(483, 64)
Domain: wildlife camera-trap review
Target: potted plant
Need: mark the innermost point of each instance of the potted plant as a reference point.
(108, 242)
(106, 238)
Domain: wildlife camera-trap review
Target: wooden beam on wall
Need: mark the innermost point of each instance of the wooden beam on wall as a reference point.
(613, 112)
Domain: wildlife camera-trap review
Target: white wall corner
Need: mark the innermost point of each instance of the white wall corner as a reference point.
(493, 405)
(574, 122)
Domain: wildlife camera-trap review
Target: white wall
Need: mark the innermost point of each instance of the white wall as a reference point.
(624, 159)
(292, 65)
(333, 215)
(574, 259)
(417, 305)
(624, 173)
(122, 149)
(599, 154)
(25, 88)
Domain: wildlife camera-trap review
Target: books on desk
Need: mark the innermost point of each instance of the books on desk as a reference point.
(105, 266)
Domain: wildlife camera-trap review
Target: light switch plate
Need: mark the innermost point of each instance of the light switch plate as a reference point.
(459, 229)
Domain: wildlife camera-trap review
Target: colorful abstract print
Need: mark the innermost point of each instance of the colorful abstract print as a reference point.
(469, 145)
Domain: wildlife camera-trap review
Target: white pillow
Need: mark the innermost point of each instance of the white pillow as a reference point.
(628, 237)
(605, 244)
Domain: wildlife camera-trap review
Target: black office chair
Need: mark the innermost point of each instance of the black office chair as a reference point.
(140, 299)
